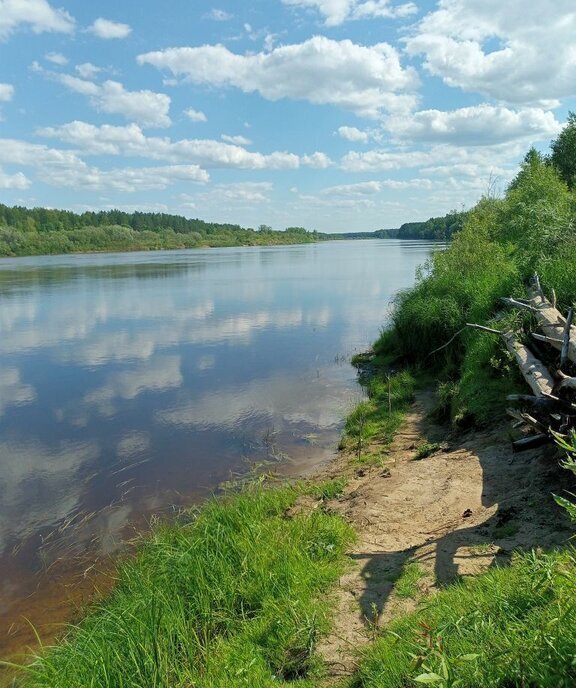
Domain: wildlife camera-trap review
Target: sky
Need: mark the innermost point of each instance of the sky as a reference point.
(334, 115)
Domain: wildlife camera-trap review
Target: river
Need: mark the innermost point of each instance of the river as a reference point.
(132, 384)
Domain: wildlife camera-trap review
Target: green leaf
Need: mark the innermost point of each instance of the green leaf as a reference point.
(566, 504)
(469, 658)
(428, 678)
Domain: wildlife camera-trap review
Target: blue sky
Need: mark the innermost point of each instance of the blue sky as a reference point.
(335, 115)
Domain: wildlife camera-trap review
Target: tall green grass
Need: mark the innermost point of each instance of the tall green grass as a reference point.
(232, 595)
(510, 627)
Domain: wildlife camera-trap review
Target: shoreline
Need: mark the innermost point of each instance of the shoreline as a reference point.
(419, 516)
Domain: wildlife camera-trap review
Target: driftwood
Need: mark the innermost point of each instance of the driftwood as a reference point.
(552, 323)
(535, 373)
(551, 408)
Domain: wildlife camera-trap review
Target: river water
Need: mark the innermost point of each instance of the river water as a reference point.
(133, 383)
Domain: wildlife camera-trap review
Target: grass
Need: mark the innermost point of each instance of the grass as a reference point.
(329, 489)
(232, 595)
(514, 626)
(380, 416)
(406, 586)
(426, 449)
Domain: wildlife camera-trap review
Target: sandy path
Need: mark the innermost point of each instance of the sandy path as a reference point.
(454, 513)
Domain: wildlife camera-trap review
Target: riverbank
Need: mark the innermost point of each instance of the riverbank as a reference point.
(212, 597)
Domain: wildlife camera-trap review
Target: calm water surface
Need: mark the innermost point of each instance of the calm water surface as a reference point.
(130, 383)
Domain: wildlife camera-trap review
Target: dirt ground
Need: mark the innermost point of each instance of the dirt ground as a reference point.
(463, 509)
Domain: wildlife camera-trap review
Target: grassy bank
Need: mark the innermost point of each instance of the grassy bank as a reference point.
(503, 242)
(234, 594)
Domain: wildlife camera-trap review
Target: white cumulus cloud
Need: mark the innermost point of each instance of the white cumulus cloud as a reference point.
(515, 51)
(107, 29)
(56, 58)
(364, 79)
(145, 107)
(237, 140)
(131, 140)
(195, 115)
(127, 179)
(353, 134)
(14, 181)
(39, 15)
(6, 92)
(479, 125)
(87, 70)
(336, 12)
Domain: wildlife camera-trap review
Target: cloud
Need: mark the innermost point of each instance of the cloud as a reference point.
(6, 93)
(87, 70)
(319, 161)
(336, 12)
(478, 161)
(239, 192)
(195, 115)
(218, 15)
(15, 152)
(66, 169)
(130, 140)
(353, 134)
(104, 28)
(480, 125)
(362, 189)
(513, 51)
(39, 15)
(237, 140)
(14, 181)
(127, 179)
(148, 108)
(363, 79)
(56, 58)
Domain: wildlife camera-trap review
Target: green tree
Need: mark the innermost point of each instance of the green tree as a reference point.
(563, 155)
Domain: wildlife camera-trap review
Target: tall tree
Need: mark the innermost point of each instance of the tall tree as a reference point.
(563, 155)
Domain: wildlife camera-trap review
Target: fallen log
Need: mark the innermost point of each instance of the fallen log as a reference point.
(559, 330)
(538, 377)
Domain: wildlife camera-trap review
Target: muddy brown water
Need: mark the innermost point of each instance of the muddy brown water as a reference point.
(133, 384)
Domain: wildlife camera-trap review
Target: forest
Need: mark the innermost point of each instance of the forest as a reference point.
(44, 231)
(41, 231)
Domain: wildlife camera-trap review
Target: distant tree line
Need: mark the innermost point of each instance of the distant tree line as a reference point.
(434, 229)
(39, 231)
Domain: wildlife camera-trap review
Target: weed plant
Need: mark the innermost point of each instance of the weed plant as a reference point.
(232, 595)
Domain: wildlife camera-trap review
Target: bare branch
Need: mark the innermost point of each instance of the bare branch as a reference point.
(566, 338)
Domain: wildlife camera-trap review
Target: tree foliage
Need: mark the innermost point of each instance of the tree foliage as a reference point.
(35, 231)
(563, 156)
